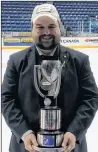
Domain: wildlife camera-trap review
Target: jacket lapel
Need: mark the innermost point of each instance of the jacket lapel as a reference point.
(32, 62)
(64, 58)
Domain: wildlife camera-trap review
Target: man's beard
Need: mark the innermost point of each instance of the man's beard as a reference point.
(47, 42)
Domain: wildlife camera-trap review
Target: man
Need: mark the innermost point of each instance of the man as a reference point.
(78, 96)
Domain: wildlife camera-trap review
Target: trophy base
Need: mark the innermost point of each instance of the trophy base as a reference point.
(39, 149)
(48, 139)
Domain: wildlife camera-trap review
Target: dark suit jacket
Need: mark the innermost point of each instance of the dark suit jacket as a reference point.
(78, 96)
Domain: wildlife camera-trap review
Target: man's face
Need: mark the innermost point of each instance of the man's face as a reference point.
(46, 33)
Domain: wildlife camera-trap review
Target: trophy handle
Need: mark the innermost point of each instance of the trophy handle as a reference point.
(45, 75)
(58, 83)
(36, 68)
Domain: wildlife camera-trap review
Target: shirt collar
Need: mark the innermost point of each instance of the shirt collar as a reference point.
(41, 53)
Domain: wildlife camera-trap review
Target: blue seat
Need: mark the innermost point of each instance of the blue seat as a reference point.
(18, 14)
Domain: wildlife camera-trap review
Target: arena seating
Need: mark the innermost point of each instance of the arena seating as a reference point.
(16, 15)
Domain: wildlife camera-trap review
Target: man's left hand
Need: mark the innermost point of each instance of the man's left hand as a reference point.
(69, 141)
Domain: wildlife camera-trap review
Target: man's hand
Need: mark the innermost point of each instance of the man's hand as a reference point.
(69, 141)
(30, 140)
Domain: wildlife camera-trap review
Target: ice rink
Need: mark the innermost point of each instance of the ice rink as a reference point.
(92, 134)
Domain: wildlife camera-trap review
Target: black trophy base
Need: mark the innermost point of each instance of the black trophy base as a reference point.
(50, 139)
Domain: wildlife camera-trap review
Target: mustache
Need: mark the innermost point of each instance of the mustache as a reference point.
(47, 36)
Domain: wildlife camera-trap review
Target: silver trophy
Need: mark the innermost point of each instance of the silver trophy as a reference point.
(47, 77)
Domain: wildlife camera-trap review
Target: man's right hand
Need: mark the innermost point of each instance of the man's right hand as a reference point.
(29, 141)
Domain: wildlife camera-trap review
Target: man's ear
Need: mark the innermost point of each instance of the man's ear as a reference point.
(62, 29)
(32, 30)
(32, 25)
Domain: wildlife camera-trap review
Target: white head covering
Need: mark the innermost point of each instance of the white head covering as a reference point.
(45, 10)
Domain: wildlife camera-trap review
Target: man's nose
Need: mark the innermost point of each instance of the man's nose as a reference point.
(46, 31)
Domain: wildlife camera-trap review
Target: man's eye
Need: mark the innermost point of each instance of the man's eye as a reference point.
(40, 27)
(51, 27)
